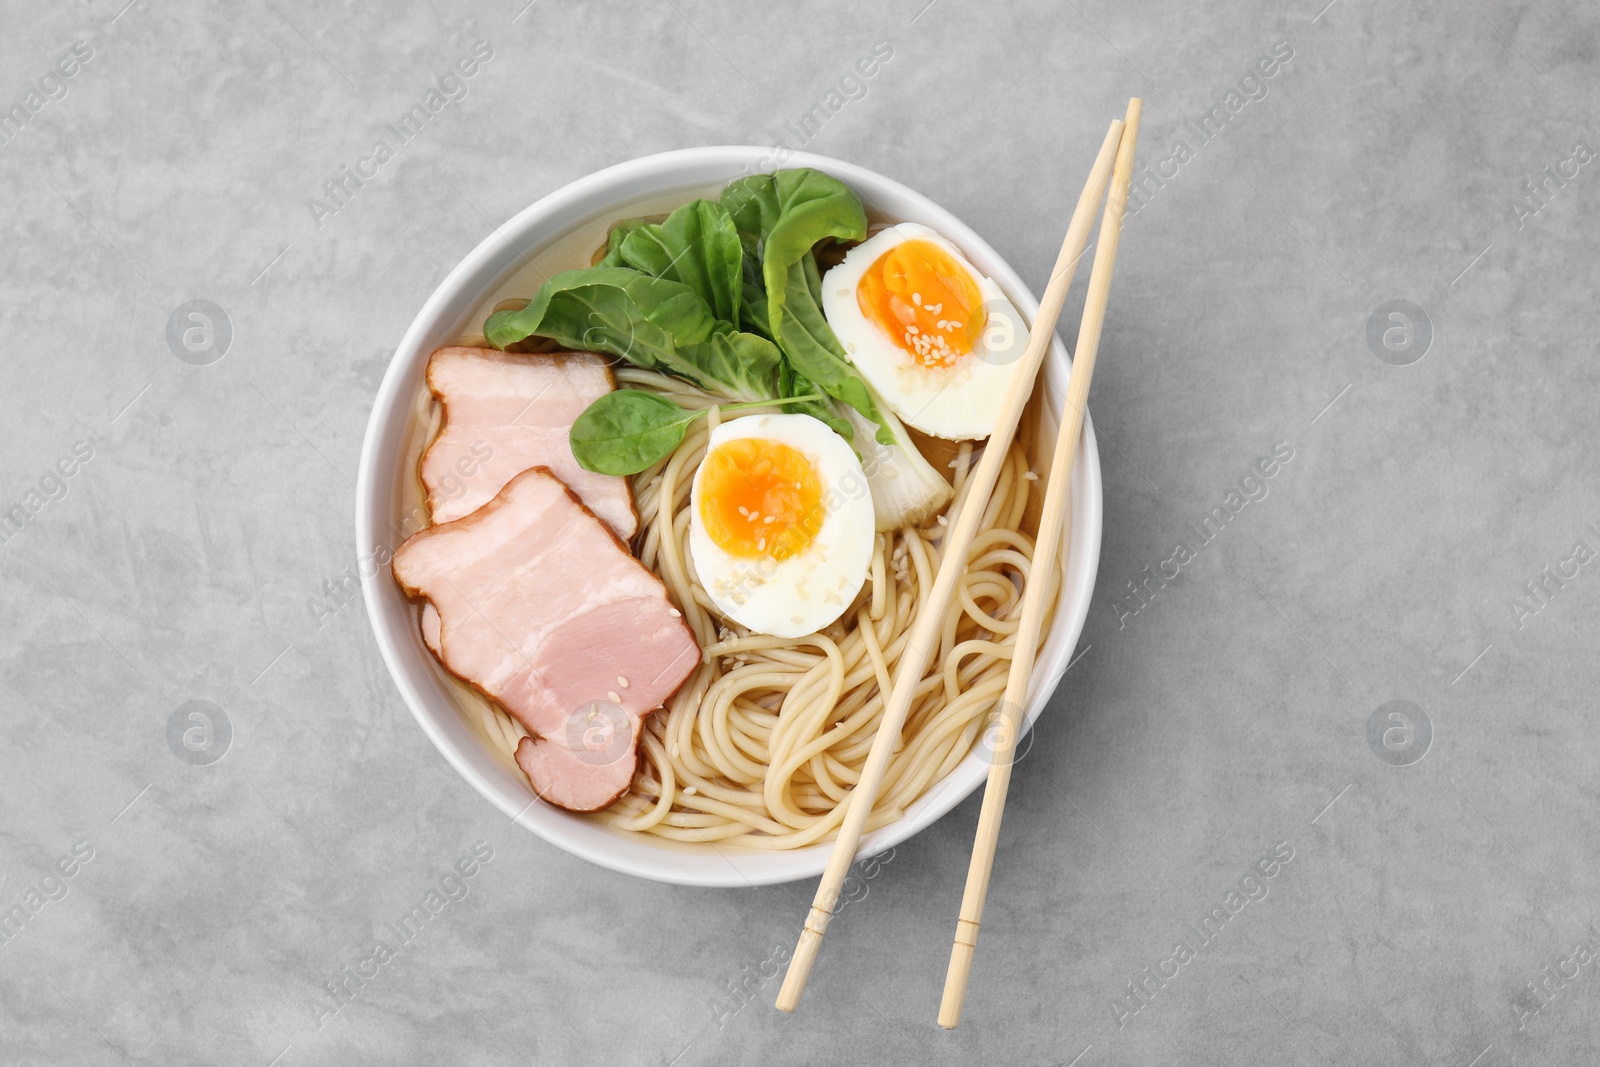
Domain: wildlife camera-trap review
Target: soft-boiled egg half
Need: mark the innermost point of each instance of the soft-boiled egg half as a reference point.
(938, 341)
(781, 523)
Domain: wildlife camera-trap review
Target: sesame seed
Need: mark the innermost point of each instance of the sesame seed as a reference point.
(622, 681)
(689, 791)
(1030, 476)
(675, 613)
(943, 521)
(916, 298)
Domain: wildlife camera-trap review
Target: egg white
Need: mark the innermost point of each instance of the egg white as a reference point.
(959, 403)
(802, 594)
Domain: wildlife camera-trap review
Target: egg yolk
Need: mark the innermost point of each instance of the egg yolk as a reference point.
(925, 300)
(760, 498)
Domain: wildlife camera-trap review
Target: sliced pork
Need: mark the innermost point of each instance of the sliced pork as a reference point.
(430, 629)
(595, 774)
(541, 608)
(504, 413)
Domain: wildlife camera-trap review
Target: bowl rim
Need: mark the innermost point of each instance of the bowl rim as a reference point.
(496, 257)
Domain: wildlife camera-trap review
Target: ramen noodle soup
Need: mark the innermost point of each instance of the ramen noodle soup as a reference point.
(793, 516)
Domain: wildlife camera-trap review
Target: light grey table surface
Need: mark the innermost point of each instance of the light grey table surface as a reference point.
(1435, 911)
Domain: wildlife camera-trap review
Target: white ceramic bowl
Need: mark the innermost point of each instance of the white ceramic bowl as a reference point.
(446, 315)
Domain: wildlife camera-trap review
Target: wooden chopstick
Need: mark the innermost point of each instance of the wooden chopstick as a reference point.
(924, 635)
(1033, 595)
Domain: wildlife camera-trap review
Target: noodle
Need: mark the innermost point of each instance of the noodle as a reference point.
(763, 743)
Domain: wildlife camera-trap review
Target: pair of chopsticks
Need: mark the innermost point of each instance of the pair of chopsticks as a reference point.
(1114, 165)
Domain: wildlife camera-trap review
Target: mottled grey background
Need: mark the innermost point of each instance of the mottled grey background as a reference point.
(1432, 913)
